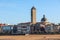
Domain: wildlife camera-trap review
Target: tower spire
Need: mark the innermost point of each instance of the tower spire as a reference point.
(33, 8)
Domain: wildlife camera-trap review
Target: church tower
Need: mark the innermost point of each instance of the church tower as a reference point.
(33, 15)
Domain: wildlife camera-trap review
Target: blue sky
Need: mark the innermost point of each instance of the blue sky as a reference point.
(18, 11)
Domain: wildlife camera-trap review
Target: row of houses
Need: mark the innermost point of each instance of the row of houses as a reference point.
(26, 28)
(52, 28)
(14, 29)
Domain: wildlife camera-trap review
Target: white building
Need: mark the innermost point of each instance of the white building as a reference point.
(49, 28)
(23, 28)
(6, 29)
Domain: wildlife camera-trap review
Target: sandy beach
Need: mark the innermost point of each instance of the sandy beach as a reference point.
(30, 37)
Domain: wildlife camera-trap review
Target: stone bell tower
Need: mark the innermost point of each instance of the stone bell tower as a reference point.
(33, 15)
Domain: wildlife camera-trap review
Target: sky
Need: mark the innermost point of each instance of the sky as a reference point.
(19, 11)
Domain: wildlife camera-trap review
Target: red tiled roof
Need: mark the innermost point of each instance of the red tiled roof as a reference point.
(2, 24)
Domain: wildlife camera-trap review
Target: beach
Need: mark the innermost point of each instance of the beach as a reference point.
(30, 37)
